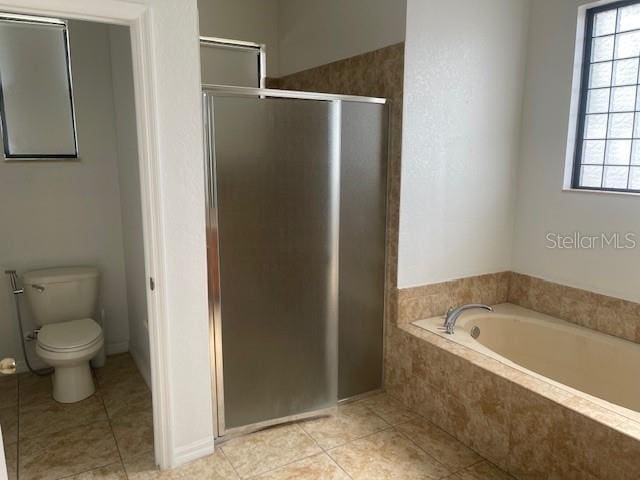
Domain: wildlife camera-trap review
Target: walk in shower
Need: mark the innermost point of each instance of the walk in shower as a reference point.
(296, 250)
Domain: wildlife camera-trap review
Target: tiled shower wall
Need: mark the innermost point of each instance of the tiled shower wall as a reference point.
(613, 316)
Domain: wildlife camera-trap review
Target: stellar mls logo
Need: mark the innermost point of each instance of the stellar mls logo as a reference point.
(581, 241)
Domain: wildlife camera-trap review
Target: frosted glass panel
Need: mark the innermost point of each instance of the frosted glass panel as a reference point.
(627, 45)
(593, 151)
(628, 18)
(635, 153)
(37, 109)
(596, 126)
(591, 177)
(598, 101)
(600, 75)
(618, 152)
(602, 49)
(620, 125)
(277, 164)
(625, 72)
(634, 179)
(615, 177)
(605, 23)
(228, 66)
(623, 99)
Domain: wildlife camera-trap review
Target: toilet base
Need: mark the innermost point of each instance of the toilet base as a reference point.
(72, 384)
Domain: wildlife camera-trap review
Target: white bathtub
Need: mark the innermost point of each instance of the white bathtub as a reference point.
(605, 368)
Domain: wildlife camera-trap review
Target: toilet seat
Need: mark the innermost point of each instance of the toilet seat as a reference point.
(71, 336)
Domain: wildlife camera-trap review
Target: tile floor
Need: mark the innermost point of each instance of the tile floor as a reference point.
(46, 440)
(109, 437)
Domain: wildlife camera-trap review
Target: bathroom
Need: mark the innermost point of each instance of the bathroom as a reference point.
(506, 187)
(75, 205)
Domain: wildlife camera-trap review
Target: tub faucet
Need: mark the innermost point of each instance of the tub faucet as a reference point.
(452, 315)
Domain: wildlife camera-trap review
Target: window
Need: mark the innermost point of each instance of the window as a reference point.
(36, 96)
(608, 145)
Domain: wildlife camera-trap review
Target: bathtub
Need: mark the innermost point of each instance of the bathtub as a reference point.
(602, 368)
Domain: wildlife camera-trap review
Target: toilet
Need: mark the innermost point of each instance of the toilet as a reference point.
(63, 302)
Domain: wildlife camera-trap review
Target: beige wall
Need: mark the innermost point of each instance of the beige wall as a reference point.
(542, 205)
(313, 33)
(249, 20)
(68, 213)
(301, 34)
(464, 74)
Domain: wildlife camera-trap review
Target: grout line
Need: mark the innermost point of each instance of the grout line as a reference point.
(227, 459)
(113, 433)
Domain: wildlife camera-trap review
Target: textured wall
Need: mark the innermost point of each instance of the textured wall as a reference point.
(464, 71)
(176, 67)
(542, 205)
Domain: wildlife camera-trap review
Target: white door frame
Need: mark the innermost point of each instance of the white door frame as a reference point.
(137, 17)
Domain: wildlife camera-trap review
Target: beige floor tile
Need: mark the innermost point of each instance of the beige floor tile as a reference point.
(439, 444)
(482, 471)
(68, 452)
(8, 391)
(387, 455)
(390, 409)
(349, 422)
(269, 449)
(116, 369)
(319, 467)
(34, 390)
(213, 467)
(48, 417)
(134, 434)
(129, 395)
(110, 472)
(9, 423)
(142, 467)
(11, 457)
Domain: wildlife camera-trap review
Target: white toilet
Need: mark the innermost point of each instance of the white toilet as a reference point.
(62, 301)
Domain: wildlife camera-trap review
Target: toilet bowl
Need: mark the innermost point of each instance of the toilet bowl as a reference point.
(63, 301)
(68, 347)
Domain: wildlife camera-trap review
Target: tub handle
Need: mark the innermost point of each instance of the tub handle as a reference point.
(39, 288)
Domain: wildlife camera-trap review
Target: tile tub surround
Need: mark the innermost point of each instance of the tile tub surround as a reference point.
(526, 426)
(432, 300)
(613, 316)
(91, 439)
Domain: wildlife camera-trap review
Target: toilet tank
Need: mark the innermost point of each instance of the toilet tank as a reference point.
(61, 294)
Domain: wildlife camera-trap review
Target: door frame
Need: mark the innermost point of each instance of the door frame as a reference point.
(136, 16)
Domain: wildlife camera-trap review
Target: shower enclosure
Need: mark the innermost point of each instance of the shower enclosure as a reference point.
(296, 250)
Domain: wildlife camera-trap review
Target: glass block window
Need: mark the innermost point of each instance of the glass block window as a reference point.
(608, 147)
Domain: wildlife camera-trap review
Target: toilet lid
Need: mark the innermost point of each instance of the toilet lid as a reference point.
(69, 335)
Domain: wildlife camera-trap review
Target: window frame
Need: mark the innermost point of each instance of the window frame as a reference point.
(8, 156)
(585, 69)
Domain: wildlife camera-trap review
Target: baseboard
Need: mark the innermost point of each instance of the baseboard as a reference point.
(143, 366)
(117, 347)
(193, 451)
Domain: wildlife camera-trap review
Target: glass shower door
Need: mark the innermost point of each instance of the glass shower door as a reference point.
(276, 196)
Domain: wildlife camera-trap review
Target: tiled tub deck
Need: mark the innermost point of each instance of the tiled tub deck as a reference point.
(526, 426)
